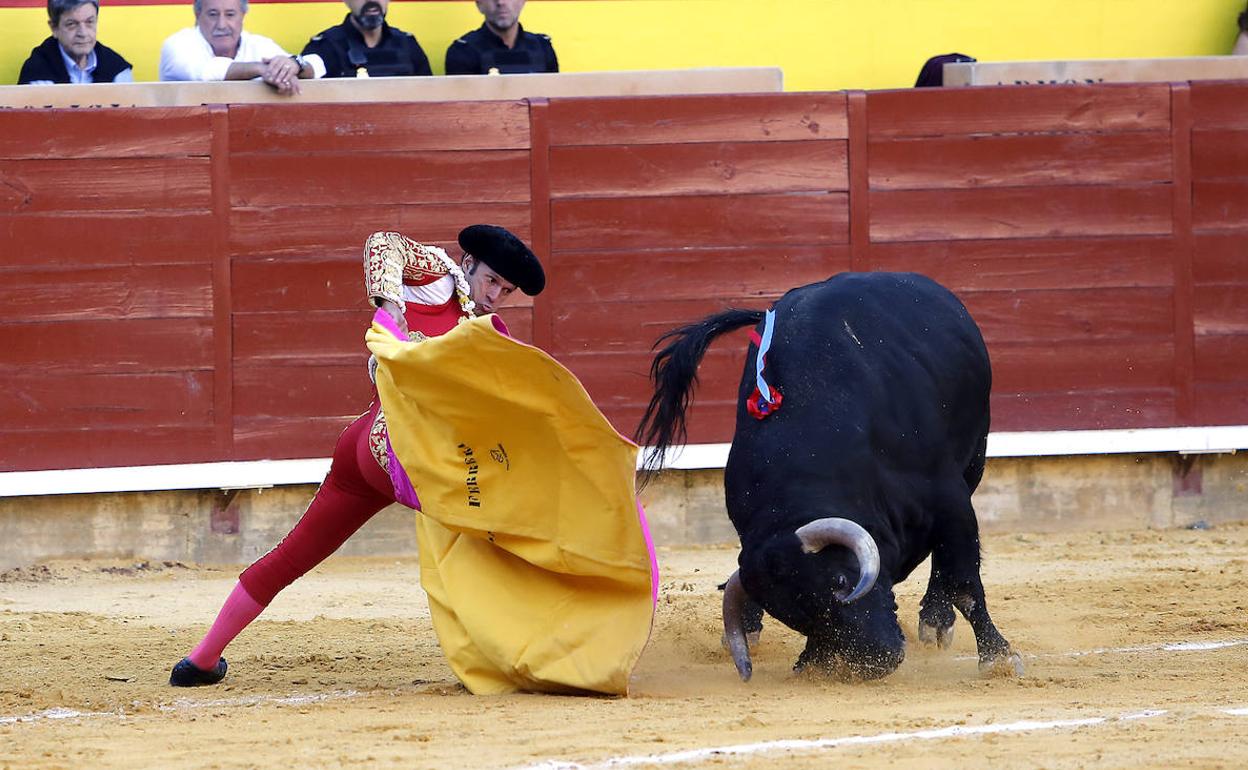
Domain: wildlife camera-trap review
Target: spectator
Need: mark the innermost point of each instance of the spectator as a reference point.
(72, 54)
(500, 45)
(1241, 40)
(217, 48)
(364, 44)
(933, 73)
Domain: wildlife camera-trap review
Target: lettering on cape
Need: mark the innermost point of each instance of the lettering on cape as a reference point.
(499, 454)
(471, 483)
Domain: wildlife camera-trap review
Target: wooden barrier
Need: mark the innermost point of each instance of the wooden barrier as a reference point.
(183, 284)
(708, 80)
(1089, 71)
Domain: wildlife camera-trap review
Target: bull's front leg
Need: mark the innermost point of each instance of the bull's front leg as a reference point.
(996, 658)
(955, 581)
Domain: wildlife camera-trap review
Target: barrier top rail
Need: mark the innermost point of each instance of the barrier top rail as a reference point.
(1086, 71)
(712, 80)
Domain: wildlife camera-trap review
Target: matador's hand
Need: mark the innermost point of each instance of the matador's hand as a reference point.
(396, 313)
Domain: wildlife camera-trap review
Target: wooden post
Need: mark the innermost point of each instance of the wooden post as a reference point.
(222, 299)
(539, 202)
(1184, 322)
(859, 183)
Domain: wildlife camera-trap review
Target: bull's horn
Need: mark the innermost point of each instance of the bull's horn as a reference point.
(821, 533)
(734, 628)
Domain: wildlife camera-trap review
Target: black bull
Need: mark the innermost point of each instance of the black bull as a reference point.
(864, 470)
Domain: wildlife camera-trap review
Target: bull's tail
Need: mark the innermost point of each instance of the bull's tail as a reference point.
(675, 373)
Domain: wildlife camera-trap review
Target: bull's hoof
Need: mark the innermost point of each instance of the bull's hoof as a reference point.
(1002, 665)
(941, 636)
(751, 640)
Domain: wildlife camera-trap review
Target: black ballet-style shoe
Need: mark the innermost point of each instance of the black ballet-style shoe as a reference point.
(187, 674)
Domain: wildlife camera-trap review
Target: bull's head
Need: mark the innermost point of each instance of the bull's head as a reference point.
(803, 579)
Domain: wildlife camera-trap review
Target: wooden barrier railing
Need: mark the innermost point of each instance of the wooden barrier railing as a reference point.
(183, 284)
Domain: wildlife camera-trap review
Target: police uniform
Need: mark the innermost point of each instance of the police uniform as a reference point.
(480, 51)
(344, 52)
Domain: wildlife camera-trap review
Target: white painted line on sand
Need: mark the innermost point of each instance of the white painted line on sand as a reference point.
(297, 700)
(186, 704)
(54, 713)
(1164, 647)
(773, 747)
(1201, 646)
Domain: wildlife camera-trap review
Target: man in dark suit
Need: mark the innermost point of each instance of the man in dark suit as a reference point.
(72, 54)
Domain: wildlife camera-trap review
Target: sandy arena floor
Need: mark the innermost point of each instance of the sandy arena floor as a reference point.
(1136, 646)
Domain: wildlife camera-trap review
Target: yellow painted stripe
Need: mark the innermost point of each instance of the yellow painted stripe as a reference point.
(820, 44)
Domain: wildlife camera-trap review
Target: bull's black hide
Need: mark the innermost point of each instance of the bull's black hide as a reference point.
(881, 431)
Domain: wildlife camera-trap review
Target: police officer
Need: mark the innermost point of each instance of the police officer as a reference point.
(500, 45)
(365, 45)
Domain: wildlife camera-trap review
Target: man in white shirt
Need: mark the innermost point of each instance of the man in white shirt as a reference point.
(217, 48)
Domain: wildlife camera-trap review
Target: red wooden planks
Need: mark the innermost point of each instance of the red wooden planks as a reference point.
(272, 284)
(331, 179)
(1084, 409)
(294, 392)
(1082, 365)
(760, 273)
(55, 449)
(1222, 359)
(301, 339)
(1019, 160)
(706, 118)
(622, 380)
(135, 401)
(155, 132)
(1220, 154)
(101, 184)
(1060, 263)
(281, 438)
(341, 230)
(98, 293)
(1020, 212)
(115, 238)
(1220, 404)
(1073, 316)
(628, 326)
(1219, 105)
(1222, 309)
(1219, 204)
(1014, 109)
(1221, 257)
(379, 128)
(690, 169)
(702, 221)
(90, 346)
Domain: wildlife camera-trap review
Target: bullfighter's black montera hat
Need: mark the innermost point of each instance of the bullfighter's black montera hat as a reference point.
(506, 255)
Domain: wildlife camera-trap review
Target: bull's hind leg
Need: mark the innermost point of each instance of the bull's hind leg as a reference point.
(955, 582)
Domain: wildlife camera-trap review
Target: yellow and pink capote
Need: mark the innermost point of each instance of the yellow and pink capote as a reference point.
(536, 557)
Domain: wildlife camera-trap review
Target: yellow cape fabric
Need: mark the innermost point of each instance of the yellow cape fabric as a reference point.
(531, 550)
